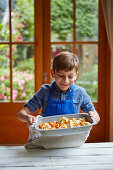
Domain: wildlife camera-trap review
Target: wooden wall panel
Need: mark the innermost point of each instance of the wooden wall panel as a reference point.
(11, 129)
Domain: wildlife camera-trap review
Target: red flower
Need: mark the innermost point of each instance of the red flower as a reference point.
(19, 36)
(5, 76)
(8, 55)
(1, 96)
(21, 25)
(19, 39)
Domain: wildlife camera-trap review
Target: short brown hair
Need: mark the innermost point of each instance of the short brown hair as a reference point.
(65, 61)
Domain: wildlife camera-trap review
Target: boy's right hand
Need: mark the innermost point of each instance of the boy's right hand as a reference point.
(30, 120)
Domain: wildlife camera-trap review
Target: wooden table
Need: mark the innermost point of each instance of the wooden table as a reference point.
(89, 156)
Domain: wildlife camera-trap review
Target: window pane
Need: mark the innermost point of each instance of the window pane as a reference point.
(61, 20)
(22, 20)
(4, 20)
(23, 72)
(88, 69)
(87, 20)
(4, 73)
(55, 49)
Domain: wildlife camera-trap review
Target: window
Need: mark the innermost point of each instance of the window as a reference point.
(16, 50)
(74, 28)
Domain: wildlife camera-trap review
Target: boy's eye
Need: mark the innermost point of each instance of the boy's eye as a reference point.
(60, 75)
(70, 77)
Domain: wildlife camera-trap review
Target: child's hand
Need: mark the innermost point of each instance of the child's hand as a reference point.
(95, 115)
(31, 119)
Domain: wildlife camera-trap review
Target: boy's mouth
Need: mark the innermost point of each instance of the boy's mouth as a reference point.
(65, 85)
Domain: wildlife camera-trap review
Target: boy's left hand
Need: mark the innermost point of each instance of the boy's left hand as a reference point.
(95, 115)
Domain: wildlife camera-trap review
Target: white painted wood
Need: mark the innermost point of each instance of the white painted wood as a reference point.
(62, 152)
(89, 156)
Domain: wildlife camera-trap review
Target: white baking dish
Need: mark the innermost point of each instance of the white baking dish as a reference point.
(65, 131)
(64, 137)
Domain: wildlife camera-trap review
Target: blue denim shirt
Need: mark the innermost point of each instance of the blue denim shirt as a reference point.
(81, 99)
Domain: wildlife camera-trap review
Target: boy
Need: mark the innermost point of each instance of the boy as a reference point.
(62, 96)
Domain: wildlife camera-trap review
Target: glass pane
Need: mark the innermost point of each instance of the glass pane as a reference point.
(22, 20)
(61, 20)
(23, 72)
(87, 20)
(4, 20)
(4, 73)
(88, 69)
(55, 49)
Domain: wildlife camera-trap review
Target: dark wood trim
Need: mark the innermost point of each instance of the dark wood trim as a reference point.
(46, 40)
(103, 78)
(38, 44)
(108, 83)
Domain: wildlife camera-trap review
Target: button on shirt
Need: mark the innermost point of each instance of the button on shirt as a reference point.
(81, 99)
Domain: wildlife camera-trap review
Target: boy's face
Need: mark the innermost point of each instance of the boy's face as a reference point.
(64, 79)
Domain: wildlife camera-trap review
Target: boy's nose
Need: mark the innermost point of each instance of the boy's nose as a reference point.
(66, 79)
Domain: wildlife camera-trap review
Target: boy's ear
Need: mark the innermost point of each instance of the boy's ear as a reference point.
(76, 75)
(52, 73)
